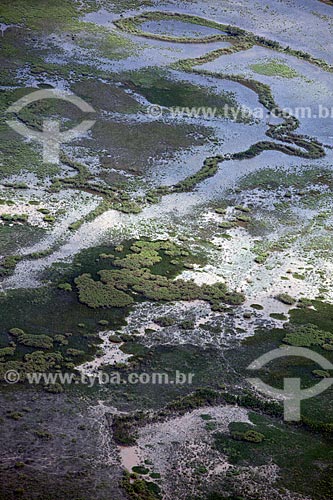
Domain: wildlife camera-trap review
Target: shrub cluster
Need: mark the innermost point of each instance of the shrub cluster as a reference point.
(132, 276)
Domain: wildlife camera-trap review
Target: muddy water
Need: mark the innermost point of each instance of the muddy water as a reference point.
(129, 456)
(178, 29)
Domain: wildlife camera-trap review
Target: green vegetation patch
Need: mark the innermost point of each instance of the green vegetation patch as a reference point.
(134, 25)
(134, 275)
(139, 489)
(251, 436)
(55, 318)
(274, 67)
(97, 294)
(307, 336)
(38, 13)
(285, 298)
(278, 316)
(36, 361)
(29, 340)
(64, 16)
(270, 440)
(299, 179)
(310, 328)
(159, 88)
(7, 351)
(140, 469)
(101, 41)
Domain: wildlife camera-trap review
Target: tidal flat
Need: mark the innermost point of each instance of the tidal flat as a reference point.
(186, 233)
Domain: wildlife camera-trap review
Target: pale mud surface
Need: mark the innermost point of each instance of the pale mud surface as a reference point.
(112, 355)
(179, 444)
(176, 448)
(65, 207)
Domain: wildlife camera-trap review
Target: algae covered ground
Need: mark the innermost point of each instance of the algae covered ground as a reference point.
(183, 235)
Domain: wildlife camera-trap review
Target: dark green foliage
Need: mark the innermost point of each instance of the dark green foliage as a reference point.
(278, 316)
(49, 218)
(7, 351)
(286, 299)
(155, 475)
(75, 352)
(243, 218)
(97, 294)
(54, 388)
(103, 322)
(118, 287)
(65, 286)
(304, 303)
(206, 416)
(15, 415)
(140, 469)
(123, 431)
(250, 436)
(138, 489)
(187, 324)
(307, 336)
(165, 321)
(30, 340)
(61, 339)
(226, 225)
(270, 439)
(14, 217)
(242, 209)
(39, 361)
(19, 465)
(16, 331)
(258, 307)
(115, 339)
(45, 435)
(10, 261)
(261, 258)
